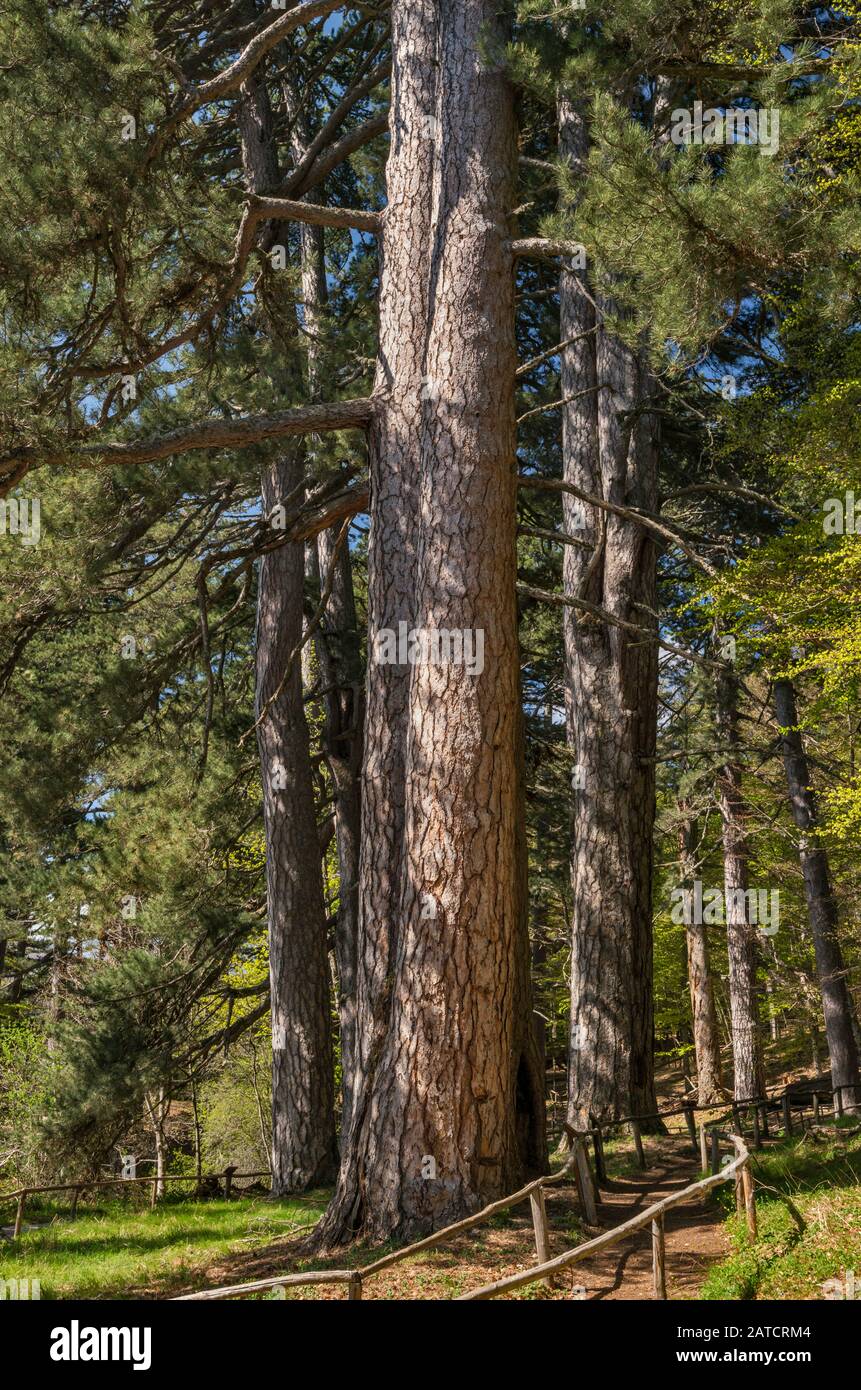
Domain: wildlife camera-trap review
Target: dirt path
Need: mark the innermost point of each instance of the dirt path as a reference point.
(694, 1241)
(695, 1237)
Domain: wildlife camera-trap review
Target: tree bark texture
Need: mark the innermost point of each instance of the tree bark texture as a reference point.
(821, 903)
(303, 1121)
(703, 1013)
(449, 1106)
(749, 1073)
(611, 705)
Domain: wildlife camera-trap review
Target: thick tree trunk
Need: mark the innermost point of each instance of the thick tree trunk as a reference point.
(449, 1095)
(749, 1073)
(821, 904)
(611, 706)
(705, 1025)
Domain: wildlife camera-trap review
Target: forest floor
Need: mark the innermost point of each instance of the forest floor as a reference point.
(115, 1250)
(695, 1236)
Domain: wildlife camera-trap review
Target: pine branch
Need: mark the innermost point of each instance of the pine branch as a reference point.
(647, 633)
(263, 209)
(206, 434)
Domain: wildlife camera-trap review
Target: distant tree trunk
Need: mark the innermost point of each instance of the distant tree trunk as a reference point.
(611, 707)
(304, 1150)
(703, 1013)
(265, 1144)
(198, 1149)
(449, 1108)
(749, 1072)
(821, 904)
(303, 1121)
(157, 1111)
(340, 658)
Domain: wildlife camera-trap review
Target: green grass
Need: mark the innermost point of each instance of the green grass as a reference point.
(824, 1183)
(119, 1251)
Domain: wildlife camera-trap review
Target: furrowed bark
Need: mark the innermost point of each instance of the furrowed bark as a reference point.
(405, 248)
(447, 1107)
(611, 707)
(821, 903)
(303, 1118)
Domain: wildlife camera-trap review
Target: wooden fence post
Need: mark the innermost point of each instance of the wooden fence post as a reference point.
(228, 1180)
(736, 1117)
(764, 1118)
(19, 1213)
(749, 1201)
(659, 1272)
(816, 1107)
(704, 1150)
(739, 1193)
(838, 1102)
(757, 1142)
(354, 1288)
(638, 1143)
(598, 1146)
(692, 1126)
(154, 1194)
(539, 1225)
(715, 1151)
(585, 1185)
(787, 1112)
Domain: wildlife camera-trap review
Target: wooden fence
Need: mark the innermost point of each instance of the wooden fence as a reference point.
(738, 1168)
(21, 1194)
(579, 1169)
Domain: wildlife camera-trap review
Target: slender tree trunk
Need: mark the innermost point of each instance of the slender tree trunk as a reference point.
(338, 648)
(198, 1151)
(303, 1122)
(446, 1115)
(705, 1025)
(611, 706)
(304, 1151)
(265, 1144)
(749, 1072)
(340, 658)
(157, 1111)
(821, 903)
